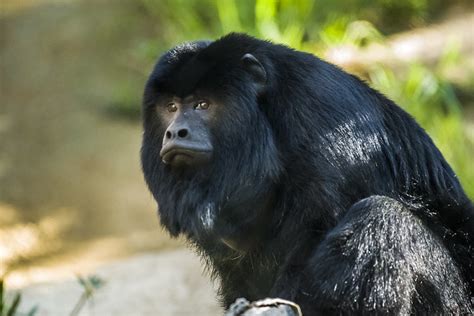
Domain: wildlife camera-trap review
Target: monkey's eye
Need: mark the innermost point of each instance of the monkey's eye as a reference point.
(172, 107)
(202, 105)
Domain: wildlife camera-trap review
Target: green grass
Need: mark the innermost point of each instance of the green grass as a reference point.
(430, 98)
(9, 307)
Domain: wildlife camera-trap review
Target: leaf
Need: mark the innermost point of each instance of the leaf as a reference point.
(1, 296)
(16, 301)
(32, 311)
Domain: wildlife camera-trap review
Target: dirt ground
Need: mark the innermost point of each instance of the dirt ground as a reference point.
(152, 284)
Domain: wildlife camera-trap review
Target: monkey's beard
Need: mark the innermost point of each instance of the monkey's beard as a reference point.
(220, 200)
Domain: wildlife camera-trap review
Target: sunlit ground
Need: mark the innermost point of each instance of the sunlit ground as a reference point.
(39, 253)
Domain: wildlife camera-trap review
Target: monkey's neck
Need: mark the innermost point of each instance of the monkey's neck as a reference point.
(246, 226)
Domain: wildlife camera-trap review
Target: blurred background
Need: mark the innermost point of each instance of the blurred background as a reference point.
(72, 197)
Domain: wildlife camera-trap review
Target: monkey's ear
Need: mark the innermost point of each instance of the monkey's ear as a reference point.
(255, 68)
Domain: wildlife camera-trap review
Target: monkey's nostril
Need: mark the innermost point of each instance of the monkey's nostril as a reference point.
(168, 134)
(183, 133)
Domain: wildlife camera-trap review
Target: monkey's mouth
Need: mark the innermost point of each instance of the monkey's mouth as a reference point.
(179, 156)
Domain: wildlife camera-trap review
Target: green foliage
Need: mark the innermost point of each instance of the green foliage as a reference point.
(125, 104)
(10, 308)
(293, 22)
(90, 285)
(318, 25)
(430, 98)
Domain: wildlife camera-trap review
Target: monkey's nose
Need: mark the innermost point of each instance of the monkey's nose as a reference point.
(176, 133)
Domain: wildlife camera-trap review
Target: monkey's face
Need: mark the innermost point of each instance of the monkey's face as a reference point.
(187, 137)
(209, 154)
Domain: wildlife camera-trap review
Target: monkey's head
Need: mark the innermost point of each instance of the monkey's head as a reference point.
(208, 148)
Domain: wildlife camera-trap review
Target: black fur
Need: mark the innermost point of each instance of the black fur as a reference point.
(321, 190)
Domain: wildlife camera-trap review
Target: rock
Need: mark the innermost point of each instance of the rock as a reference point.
(266, 307)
